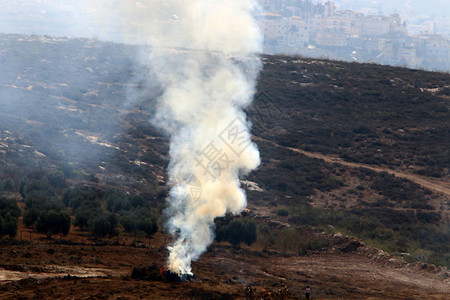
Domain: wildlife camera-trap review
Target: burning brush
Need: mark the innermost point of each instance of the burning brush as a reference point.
(156, 273)
(170, 276)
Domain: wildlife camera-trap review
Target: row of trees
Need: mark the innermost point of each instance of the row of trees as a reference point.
(43, 210)
(51, 208)
(130, 211)
(50, 214)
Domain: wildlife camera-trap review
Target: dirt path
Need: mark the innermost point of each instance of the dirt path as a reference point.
(436, 185)
(55, 272)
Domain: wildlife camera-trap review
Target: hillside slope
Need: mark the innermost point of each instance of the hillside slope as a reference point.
(347, 149)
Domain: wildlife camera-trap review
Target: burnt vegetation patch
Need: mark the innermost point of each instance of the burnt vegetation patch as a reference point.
(283, 172)
(364, 112)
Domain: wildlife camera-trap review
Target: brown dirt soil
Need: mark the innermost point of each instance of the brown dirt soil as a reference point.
(41, 271)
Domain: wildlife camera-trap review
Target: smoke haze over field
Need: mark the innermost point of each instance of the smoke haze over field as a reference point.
(203, 64)
(207, 67)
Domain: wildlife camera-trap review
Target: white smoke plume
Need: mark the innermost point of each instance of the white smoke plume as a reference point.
(204, 53)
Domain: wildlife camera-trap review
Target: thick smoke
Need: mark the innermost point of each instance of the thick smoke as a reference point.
(204, 55)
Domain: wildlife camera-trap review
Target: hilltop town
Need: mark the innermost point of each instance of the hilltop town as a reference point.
(289, 27)
(321, 30)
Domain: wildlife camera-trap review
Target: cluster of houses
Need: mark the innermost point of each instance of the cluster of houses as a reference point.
(301, 27)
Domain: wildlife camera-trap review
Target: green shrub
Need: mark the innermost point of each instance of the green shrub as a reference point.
(85, 214)
(147, 225)
(282, 212)
(75, 197)
(30, 216)
(9, 215)
(7, 184)
(236, 230)
(104, 225)
(57, 179)
(139, 220)
(53, 222)
(68, 171)
(35, 185)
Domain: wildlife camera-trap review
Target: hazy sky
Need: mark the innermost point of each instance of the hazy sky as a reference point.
(72, 18)
(42, 17)
(75, 18)
(430, 7)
